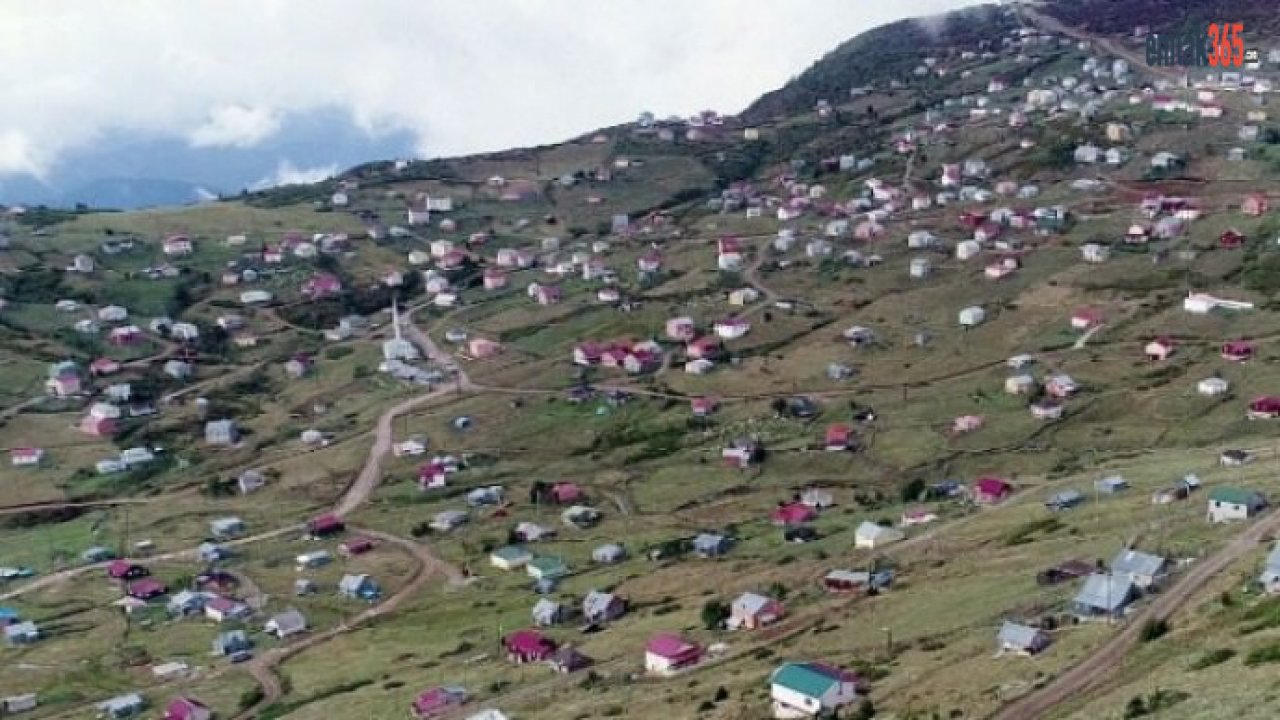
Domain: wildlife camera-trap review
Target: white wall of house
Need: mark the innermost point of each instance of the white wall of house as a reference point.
(1226, 512)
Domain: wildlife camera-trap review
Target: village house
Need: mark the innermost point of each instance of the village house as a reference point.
(1144, 570)
(526, 646)
(811, 690)
(600, 607)
(1213, 386)
(1264, 408)
(732, 328)
(1227, 504)
(547, 612)
(667, 654)
(546, 567)
(990, 490)
(1020, 639)
(510, 557)
(1104, 595)
(708, 545)
(177, 245)
(359, 587)
(1159, 350)
(187, 708)
(25, 456)
(437, 702)
(972, 316)
(1255, 205)
(609, 554)
(1064, 500)
(750, 611)
(221, 609)
(221, 432)
(1237, 350)
(122, 706)
(1095, 253)
(874, 535)
(286, 624)
(21, 633)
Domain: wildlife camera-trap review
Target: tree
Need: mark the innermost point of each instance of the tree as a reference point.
(913, 490)
(866, 710)
(1137, 707)
(714, 614)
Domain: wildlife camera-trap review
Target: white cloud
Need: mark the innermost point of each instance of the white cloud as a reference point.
(287, 174)
(236, 126)
(463, 76)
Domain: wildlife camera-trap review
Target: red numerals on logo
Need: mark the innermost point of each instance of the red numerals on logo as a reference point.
(1226, 44)
(1237, 43)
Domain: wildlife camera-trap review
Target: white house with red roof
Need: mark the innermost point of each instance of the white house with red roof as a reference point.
(177, 245)
(732, 328)
(1086, 319)
(681, 328)
(1160, 349)
(25, 456)
(321, 285)
(669, 653)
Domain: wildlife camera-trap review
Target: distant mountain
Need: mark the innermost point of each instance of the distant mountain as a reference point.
(127, 170)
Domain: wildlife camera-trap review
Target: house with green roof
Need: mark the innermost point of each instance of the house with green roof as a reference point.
(811, 690)
(510, 557)
(1228, 503)
(547, 567)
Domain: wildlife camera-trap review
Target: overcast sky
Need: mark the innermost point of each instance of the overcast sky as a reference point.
(462, 75)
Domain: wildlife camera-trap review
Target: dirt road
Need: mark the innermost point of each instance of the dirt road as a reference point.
(189, 553)
(1103, 662)
(263, 667)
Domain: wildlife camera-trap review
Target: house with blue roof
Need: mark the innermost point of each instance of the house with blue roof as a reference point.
(808, 690)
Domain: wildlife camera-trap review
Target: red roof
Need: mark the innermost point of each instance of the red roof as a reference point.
(529, 644)
(358, 545)
(435, 701)
(793, 514)
(185, 708)
(1237, 348)
(992, 486)
(326, 524)
(123, 568)
(702, 405)
(672, 647)
(566, 492)
(1231, 238)
(839, 434)
(1267, 404)
(728, 245)
(147, 588)
(222, 604)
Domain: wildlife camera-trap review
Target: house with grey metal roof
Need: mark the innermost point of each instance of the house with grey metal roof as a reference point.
(123, 706)
(289, 622)
(547, 612)
(1104, 595)
(602, 606)
(1021, 639)
(1142, 569)
(710, 545)
(609, 554)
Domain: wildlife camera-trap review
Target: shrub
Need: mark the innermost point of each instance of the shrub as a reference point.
(1213, 657)
(1153, 630)
(1263, 655)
